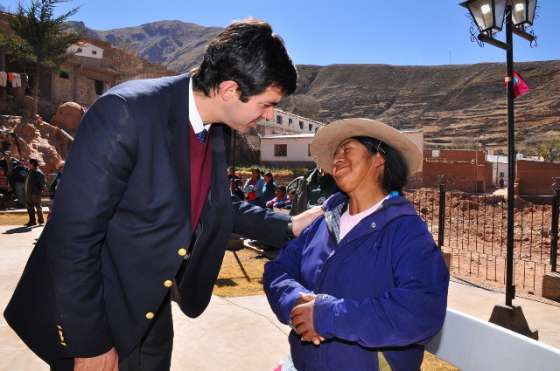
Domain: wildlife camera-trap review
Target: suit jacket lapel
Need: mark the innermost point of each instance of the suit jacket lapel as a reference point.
(178, 140)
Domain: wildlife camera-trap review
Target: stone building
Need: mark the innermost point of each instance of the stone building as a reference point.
(94, 67)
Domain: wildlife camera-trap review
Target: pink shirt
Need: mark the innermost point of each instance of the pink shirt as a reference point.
(347, 221)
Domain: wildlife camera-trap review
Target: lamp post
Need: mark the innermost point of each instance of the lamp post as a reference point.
(489, 16)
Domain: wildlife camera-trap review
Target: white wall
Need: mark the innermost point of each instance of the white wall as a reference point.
(297, 149)
(86, 50)
(272, 127)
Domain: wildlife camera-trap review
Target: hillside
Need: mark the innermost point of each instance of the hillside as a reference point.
(455, 105)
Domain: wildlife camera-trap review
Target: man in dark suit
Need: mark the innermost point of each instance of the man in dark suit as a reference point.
(144, 211)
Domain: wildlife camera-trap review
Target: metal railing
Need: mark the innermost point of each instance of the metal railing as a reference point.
(472, 228)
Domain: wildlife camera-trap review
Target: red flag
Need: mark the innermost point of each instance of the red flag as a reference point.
(520, 87)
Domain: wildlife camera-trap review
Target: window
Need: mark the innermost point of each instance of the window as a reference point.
(79, 50)
(64, 74)
(279, 119)
(289, 122)
(280, 150)
(94, 52)
(301, 125)
(99, 87)
(310, 127)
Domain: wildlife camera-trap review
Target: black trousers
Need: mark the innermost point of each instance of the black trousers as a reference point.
(153, 353)
(33, 202)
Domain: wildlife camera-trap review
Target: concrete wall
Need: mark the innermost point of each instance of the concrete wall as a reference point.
(284, 122)
(87, 50)
(297, 149)
(535, 178)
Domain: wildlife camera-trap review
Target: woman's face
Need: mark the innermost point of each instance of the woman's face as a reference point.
(354, 166)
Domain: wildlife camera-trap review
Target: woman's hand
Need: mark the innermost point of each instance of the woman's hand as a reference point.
(302, 319)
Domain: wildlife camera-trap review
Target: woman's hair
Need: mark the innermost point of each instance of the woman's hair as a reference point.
(395, 171)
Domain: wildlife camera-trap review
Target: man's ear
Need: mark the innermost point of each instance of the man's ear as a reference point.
(227, 90)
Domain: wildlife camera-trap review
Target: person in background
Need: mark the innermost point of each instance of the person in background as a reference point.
(269, 189)
(231, 174)
(19, 176)
(365, 286)
(254, 186)
(34, 187)
(280, 200)
(235, 189)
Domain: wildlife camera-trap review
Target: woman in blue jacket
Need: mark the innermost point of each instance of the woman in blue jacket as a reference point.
(365, 286)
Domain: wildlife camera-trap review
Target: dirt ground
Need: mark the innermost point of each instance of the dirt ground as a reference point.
(14, 219)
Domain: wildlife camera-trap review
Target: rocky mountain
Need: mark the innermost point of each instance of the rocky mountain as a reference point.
(175, 44)
(455, 105)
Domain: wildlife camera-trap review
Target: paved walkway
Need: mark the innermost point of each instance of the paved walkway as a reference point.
(234, 333)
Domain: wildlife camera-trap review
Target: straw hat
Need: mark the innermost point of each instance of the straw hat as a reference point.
(329, 137)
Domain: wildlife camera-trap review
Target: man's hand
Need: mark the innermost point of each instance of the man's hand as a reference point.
(300, 221)
(302, 319)
(104, 362)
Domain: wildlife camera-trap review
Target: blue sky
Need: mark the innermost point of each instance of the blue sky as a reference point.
(399, 32)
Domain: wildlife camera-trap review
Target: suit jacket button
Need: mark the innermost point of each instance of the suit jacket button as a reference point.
(182, 252)
(63, 344)
(150, 315)
(168, 283)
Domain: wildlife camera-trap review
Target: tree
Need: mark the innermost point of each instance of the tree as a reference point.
(548, 149)
(41, 38)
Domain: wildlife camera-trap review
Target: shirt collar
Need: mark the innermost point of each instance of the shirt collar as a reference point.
(194, 115)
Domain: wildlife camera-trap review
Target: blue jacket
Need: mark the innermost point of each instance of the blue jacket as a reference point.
(381, 290)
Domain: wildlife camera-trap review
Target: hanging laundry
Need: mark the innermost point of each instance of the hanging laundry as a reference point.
(16, 80)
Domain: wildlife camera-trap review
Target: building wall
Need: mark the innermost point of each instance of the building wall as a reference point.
(499, 165)
(466, 171)
(62, 90)
(297, 150)
(535, 178)
(86, 50)
(284, 122)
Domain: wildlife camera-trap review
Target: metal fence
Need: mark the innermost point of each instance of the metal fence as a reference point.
(473, 229)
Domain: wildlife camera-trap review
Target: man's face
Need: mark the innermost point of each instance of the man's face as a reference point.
(242, 116)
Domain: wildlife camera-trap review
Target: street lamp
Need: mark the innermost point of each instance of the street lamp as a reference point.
(489, 16)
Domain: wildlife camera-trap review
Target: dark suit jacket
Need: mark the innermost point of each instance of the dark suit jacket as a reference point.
(120, 220)
(35, 182)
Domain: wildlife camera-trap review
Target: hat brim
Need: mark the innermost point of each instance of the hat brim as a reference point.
(330, 136)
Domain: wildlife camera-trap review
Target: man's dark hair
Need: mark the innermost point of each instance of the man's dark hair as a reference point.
(395, 170)
(34, 162)
(248, 53)
(268, 174)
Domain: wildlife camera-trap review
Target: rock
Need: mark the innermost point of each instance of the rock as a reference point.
(68, 116)
(37, 139)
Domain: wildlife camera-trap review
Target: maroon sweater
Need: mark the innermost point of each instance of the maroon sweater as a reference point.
(201, 174)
